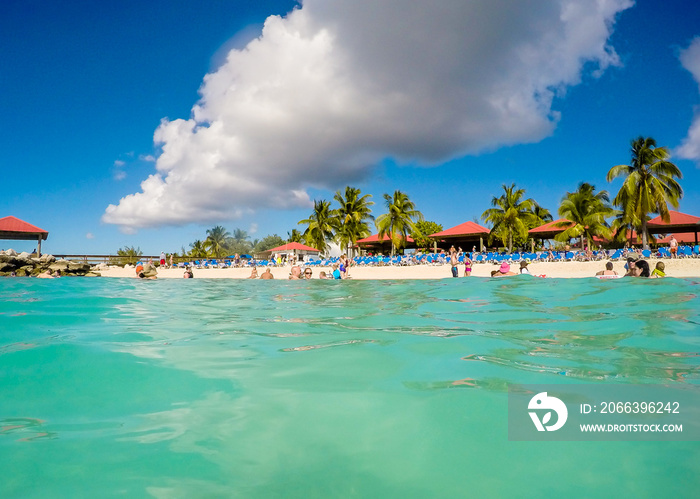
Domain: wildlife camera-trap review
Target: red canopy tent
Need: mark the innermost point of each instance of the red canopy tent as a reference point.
(467, 232)
(294, 247)
(289, 248)
(19, 230)
(678, 223)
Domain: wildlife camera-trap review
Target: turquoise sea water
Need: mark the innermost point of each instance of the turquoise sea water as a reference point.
(237, 388)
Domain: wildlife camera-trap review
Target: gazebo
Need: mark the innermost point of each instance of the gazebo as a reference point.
(678, 223)
(462, 234)
(294, 248)
(373, 243)
(19, 230)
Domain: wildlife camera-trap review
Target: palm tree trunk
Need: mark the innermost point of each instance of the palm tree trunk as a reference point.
(645, 234)
(510, 242)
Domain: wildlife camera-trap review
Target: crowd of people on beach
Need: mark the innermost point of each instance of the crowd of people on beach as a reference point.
(634, 267)
(340, 270)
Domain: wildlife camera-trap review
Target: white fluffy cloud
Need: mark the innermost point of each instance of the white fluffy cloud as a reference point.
(335, 86)
(690, 147)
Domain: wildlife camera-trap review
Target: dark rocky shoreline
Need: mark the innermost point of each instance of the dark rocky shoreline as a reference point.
(24, 264)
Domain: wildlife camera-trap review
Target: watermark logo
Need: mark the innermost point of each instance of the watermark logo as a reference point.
(543, 402)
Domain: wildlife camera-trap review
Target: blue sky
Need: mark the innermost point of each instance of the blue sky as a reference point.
(446, 103)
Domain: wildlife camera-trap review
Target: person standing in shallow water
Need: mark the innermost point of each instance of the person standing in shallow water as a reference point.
(467, 265)
(454, 261)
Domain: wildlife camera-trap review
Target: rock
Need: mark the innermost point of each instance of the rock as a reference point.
(61, 265)
(24, 255)
(93, 274)
(10, 252)
(47, 258)
(25, 271)
(78, 267)
(6, 267)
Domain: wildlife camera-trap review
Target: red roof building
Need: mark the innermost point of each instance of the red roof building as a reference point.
(678, 223)
(676, 219)
(19, 230)
(550, 229)
(374, 239)
(682, 238)
(463, 234)
(467, 229)
(374, 244)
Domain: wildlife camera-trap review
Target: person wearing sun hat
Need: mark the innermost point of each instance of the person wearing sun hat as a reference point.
(523, 267)
(504, 270)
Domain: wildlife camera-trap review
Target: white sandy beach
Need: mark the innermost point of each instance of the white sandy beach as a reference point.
(687, 267)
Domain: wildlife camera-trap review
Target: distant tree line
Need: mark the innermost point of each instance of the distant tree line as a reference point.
(650, 185)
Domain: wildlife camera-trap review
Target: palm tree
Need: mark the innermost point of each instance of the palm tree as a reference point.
(240, 236)
(511, 215)
(129, 255)
(398, 222)
(352, 216)
(320, 226)
(624, 223)
(216, 240)
(294, 236)
(198, 249)
(587, 211)
(649, 186)
(542, 215)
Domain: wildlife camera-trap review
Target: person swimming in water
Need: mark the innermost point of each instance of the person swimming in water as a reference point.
(146, 271)
(641, 269)
(608, 270)
(503, 270)
(659, 271)
(523, 267)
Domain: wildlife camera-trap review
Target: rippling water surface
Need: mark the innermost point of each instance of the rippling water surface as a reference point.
(236, 388)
